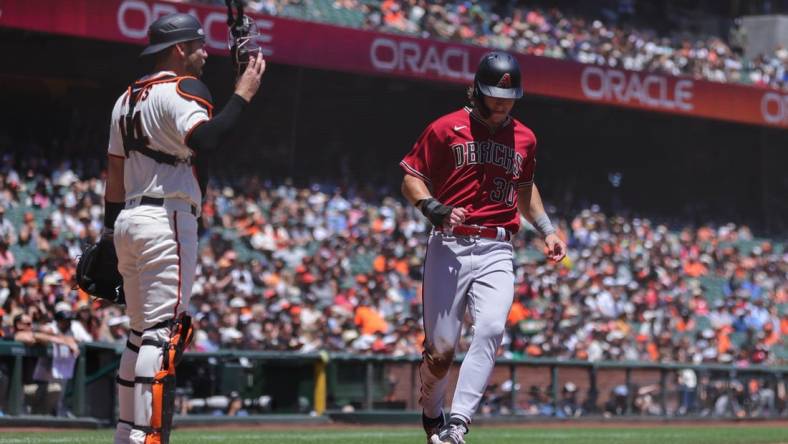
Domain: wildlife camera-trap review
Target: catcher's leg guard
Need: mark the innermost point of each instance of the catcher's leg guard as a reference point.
(154, 421)
(125, 383)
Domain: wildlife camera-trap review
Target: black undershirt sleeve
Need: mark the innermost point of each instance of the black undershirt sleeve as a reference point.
(210, 134)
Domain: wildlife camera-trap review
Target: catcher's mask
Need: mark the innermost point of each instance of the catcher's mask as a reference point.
(242, 38)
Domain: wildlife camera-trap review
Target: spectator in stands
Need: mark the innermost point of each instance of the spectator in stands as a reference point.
(7, 259)
(568, 406)
(538, 403)
(7, 230)
(44, 395)
(731, 401)
(688, 383)
(65, 324)
(616, 404)
(118, 328)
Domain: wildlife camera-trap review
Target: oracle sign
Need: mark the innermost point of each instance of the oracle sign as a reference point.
(405, 56)
(774, 108)
(135, 16)
(649, 90)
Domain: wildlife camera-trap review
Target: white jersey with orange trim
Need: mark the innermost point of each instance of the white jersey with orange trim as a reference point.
(164, 116)
(155, 238)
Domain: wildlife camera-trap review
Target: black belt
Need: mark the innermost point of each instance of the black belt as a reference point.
(159, 202)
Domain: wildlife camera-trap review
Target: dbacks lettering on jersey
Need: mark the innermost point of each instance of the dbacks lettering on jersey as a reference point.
(488, 152)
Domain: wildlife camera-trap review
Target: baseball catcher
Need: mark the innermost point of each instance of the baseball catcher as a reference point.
(152, 202)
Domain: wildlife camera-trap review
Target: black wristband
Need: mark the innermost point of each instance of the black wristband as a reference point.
(433, 210)
(111, 211)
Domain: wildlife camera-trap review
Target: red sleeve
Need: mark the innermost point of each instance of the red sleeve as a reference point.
(529, 167)
(417, 161)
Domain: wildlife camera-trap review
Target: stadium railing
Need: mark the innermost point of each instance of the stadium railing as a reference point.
(332, 384)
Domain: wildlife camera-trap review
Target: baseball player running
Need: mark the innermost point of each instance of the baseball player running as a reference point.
(152, 203)
(469, 173)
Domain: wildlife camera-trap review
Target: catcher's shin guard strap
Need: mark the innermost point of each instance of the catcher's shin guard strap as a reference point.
(132, 347)
(124, 382)
(153, 342)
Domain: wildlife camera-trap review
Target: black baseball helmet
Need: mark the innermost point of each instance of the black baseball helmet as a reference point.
(498, 75)
(171, 29)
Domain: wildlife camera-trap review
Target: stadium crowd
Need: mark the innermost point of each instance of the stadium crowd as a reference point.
(601, 40)
(555, 33)
(304, 269)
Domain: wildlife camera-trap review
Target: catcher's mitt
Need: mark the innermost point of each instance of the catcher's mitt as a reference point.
(97, 272)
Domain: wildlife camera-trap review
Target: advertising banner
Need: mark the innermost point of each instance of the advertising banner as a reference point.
(323, 46)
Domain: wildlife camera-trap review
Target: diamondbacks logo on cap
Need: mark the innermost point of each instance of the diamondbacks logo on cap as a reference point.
(505, 82)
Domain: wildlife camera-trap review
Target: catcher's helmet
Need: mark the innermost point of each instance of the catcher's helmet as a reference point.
(498, 75)
(171, 29)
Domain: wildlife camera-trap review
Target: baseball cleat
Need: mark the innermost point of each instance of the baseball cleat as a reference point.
(452, 433)
(432, 426)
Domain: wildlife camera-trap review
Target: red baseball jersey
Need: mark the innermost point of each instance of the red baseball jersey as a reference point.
(467, 165)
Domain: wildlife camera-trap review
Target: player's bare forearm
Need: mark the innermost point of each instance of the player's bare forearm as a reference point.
(414, 189)
(115, 191)
(529, 202)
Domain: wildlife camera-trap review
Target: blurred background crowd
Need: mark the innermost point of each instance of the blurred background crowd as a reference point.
(330, 260)
(324, 268)
(625, 34)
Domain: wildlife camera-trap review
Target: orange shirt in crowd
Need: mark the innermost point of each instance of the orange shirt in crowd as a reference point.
(682, 326)
(370, 321)
(28, 275)
(653, 351)
(723, 341)
(694, 269)
(517, 313)
(402, 267)
(772, 337)
(379, 264)
(65, 273)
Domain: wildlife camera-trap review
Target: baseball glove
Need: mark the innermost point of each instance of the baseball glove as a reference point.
(97, 272)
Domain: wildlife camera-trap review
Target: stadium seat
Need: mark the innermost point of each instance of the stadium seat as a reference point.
(702, 323)
(713, 287)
